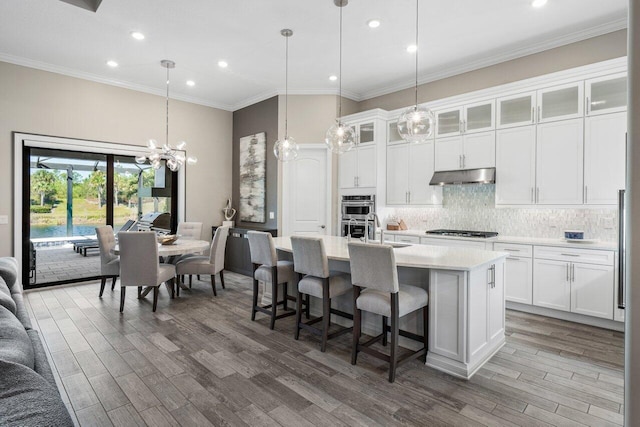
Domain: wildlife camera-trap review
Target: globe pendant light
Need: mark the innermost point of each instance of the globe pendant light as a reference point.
(340, 138)
(415, 124)
(174, 157)
(286, 149)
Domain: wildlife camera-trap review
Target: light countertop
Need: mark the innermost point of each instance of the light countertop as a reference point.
(415, 255)
(540, 241)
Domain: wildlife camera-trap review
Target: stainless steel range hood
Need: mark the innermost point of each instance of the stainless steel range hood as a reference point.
(468, 176)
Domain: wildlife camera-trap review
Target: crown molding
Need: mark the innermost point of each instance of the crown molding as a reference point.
(503, 56)
(270, 94)
(38, 65)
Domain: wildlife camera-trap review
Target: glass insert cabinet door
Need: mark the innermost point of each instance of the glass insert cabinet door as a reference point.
(479, 117)
(560, 102)
(366, 132)
(516, 110)
(392, 132)
(606, 94)
(448, 123)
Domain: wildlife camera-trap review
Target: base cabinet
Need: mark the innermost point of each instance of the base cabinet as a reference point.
(592, 290)
(519, 284)
(551, 286)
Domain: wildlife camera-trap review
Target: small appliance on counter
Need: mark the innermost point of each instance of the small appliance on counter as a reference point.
(463, 233)
(574, 234)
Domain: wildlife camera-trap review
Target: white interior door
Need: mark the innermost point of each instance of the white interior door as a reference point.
(306, 197)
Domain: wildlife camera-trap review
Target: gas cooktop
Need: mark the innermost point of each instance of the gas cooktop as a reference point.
(463, 233)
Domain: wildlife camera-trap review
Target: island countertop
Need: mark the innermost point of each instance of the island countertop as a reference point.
(416, 256)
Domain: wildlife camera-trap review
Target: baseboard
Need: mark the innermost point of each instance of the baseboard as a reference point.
(563, 315)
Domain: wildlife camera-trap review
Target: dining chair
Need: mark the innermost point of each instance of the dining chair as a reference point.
(139, 264)
(211, 265)
(316, 280)
(376, 290)
(267, 269)
(109, 263)
(189, 231)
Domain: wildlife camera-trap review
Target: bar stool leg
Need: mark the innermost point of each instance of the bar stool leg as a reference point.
(274, 296)
(222, 279)
(384, 331)
(122, 297)
(357, 318)
(326, 314)
(393, 360)
(307, 311)
(255, 294)
(425, 325)
(103, 282)
(298, 315)
(286, 295)
(213, 285)
(113, 283)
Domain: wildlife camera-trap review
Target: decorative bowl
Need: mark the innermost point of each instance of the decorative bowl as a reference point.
(167, 239)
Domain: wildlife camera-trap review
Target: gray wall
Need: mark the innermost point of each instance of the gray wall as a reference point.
(260, 117)
(596, 49)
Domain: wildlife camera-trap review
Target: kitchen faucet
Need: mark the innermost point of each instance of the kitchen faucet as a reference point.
(349, 228)
(373, 216)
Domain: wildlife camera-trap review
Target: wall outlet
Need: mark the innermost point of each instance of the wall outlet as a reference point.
(272, 215)
(4, 219)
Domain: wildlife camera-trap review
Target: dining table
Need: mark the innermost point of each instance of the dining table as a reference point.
(180, 247)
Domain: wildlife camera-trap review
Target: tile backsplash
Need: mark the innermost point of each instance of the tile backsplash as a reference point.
(472, 207)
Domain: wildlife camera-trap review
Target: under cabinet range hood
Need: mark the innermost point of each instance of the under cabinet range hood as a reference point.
(468, 176)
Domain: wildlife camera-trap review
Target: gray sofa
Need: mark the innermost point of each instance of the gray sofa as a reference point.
(28, 392)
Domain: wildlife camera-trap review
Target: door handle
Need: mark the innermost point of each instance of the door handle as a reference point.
(567, 272)
(588, 106)
(573, 272)
(323, 226)
(537, 194)
(533, 112)
(460, 161)
(464, 161)
(586, 194)
(532, 197)
(409, 197)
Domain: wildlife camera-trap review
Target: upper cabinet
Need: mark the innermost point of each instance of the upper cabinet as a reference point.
(409, 170)
(466, 152)
(357, 167)
(470, 118)
(517, 110)
(562, 102)
(606, 94)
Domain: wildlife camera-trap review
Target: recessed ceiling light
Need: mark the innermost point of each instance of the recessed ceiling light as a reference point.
(538, 3)
(373, 23)
(412, 48)
(111, 63)
(223, 64)
(333, 77)
(137, 35)
(191, 83)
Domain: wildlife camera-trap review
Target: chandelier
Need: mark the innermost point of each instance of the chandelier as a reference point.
(415, 124)
(174, 157)
(286, 149)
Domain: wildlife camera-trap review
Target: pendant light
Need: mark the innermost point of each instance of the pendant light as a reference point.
(174, 157)
(340, 138)
(286, 149)
(415, 124)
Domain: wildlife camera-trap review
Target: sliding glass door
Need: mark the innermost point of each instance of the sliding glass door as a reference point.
(67, 194)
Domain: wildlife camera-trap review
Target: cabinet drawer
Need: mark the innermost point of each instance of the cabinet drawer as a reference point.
(453, 243)
(589, 256)
(407, 239)
(514, 249)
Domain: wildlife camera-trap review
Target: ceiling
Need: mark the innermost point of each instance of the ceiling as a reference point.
(455, 36)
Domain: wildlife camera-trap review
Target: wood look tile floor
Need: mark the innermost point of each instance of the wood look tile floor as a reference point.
(199, 361)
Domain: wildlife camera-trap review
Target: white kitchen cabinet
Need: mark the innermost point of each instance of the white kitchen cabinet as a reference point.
(409, 170)
(470, 118)
(551, 285)
(560, 102)
(516, 110)
(559, 163)
(486, 316)
(577, 280)
(606, 94)
(357, 167)
(604, 158)
(469, 151)
(592, 290)
(516, 165)
(519, 267)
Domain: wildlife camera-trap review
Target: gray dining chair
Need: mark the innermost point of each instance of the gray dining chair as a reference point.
(316, 280)
(109, 263)
(139, 264)
(211, 265)
(267, 269)
(189, 231)
(376, 290)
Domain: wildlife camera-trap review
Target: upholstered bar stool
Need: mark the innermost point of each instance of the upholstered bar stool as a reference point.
(267, 269)
(315, 279)
(376, 290)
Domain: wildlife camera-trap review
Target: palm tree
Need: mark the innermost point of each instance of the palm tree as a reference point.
(43, 183)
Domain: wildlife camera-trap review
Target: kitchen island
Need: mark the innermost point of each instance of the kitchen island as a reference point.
(466, 300)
